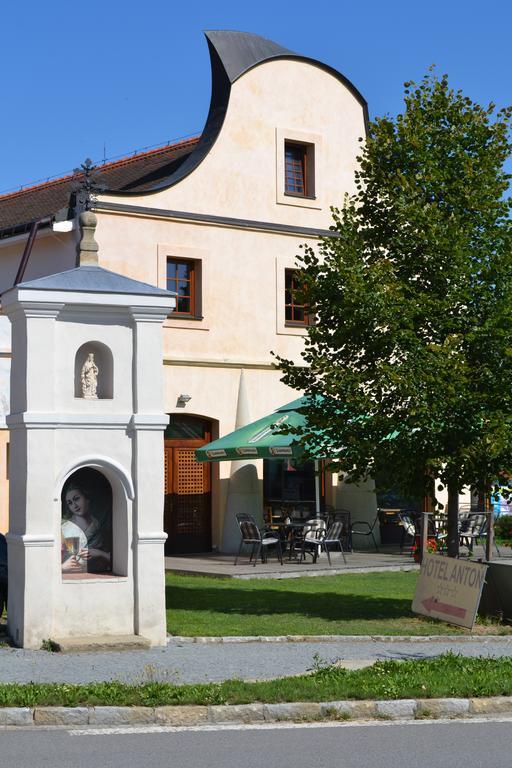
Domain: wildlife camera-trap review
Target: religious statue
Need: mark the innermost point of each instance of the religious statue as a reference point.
(89, 378)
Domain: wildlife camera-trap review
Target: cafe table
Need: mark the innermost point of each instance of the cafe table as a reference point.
(290, 533)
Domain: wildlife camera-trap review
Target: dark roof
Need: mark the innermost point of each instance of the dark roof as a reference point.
(135, 174)
(240, 51)
(94, 280)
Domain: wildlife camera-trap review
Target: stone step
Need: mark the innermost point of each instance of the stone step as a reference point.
(100, 643)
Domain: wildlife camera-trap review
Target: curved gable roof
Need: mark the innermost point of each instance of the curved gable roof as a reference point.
(232, 54)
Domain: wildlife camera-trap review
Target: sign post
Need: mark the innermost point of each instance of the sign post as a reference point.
(449, 589)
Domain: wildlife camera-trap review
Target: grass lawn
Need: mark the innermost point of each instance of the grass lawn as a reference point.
(352, 604)
(448, 675)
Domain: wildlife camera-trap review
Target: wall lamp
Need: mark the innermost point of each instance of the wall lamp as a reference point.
(182, 400)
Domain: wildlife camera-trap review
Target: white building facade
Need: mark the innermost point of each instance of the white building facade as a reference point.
(220, 221)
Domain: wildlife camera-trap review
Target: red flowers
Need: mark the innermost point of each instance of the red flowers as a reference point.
(416, 549)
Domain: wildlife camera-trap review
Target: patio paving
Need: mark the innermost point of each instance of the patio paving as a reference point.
(214, 564)
(368, 561)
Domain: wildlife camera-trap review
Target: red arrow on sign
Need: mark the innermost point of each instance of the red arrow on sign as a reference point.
(432, 604)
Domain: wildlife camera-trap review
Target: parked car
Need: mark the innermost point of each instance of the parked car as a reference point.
(3, 573)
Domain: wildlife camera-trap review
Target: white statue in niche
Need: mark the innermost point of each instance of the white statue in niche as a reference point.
(89, 378)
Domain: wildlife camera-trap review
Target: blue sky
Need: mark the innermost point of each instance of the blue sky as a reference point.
(81, 80)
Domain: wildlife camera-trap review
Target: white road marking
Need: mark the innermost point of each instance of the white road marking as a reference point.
(127, 730)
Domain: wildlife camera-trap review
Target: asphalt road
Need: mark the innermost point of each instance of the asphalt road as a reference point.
(426, 744)
(195, 662)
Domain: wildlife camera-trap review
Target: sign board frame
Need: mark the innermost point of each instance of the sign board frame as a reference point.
(449, 589)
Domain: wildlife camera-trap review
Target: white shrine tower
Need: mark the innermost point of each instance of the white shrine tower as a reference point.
(86, 539)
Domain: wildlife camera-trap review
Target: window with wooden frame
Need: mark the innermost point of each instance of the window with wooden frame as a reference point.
(299, 169)
(296, 310)
(183, 278)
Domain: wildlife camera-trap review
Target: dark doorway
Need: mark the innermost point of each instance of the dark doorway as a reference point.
(290, 485)
(188, 503)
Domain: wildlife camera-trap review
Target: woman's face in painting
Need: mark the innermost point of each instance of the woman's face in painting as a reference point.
(77, 503)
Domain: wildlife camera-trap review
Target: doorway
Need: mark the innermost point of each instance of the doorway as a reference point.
(188, 498)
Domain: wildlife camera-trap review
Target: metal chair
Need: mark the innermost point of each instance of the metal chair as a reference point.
(252, 536)
(363, 528)
(472, 527)
(313, 529)
(320, 538)
(409, 528)
(341, 515)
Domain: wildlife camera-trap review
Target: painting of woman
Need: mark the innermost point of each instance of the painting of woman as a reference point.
(86, 530)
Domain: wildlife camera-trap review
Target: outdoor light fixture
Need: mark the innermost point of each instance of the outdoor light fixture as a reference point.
(182, 401)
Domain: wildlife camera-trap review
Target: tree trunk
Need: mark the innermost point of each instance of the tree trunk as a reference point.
(453, 519)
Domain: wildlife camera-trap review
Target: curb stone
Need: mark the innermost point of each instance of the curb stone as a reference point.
(310, 710)
(184, 715)
(182, 640)
(444, 707)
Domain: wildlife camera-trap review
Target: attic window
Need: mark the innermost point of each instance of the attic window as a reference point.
(299, 174)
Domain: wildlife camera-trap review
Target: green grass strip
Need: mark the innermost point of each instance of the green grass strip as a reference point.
(448, 675)
(349, 604)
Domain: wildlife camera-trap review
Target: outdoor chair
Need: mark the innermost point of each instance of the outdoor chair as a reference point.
(341, 515)
(363, 528)
(409, 529)
(472, 528)
(252, 537)
(317, 539)
(313, 528)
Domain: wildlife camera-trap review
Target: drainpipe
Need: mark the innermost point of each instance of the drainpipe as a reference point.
(26, 253)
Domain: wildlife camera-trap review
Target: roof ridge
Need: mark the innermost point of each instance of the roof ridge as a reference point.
(115, 163)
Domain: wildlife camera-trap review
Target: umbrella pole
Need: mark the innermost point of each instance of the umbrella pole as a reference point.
(317, 488)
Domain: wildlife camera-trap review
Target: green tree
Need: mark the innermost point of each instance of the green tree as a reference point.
(411, 353)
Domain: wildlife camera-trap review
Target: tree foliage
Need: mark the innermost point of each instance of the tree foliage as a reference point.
(411, 353)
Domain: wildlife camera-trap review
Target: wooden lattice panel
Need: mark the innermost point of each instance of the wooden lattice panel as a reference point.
(167, 488)
(187, 509)
(190, 474)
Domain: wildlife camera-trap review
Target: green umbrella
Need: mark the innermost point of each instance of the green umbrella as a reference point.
(261, 439)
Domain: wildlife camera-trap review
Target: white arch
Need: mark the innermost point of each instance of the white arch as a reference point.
(101, 463)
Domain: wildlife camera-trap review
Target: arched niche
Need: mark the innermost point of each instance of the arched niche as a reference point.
(103, 360)
(87, 524)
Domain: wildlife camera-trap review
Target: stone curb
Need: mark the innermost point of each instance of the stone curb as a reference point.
(179, 640)
(400, 709)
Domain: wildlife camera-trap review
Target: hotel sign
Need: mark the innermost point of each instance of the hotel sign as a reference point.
(449, 589)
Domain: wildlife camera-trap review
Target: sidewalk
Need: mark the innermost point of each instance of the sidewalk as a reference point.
(200, 660)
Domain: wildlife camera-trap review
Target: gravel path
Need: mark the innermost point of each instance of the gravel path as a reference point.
(186, 662)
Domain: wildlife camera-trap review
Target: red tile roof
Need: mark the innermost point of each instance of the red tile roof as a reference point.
(130, 174)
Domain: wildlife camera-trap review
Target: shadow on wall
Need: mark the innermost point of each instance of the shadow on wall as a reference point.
(361, 500)
(244, 494)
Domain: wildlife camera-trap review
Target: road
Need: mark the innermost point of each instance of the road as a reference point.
(425, 744)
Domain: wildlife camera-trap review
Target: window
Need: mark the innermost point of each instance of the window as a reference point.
(296, 310)
(289, 481)
(182, 279)
(299, 169)
(184, 271)
(187, 428)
